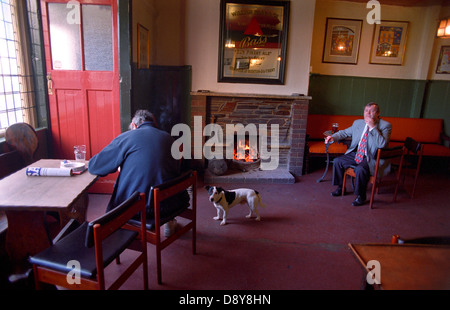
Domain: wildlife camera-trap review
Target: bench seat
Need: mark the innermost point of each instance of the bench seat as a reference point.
(430, 132)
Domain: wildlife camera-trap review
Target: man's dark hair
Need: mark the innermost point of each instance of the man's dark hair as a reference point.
(142, 116)
(375, 104)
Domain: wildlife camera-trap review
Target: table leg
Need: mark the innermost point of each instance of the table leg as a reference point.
(328, 164)
(77, 211)
(26, 236)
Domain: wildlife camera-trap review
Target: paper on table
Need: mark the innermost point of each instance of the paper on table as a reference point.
(51, 172)
(75, 166)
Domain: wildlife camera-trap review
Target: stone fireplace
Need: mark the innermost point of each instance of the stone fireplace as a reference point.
(288, 112)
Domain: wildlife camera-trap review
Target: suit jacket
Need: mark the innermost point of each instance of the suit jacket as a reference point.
(377, 138)
(145, 160)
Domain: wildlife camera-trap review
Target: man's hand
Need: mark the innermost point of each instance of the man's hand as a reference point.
(329, 139)
(370, 121)
(371, 116)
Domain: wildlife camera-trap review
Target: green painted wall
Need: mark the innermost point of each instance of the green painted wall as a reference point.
(437, 102)
(347, 95)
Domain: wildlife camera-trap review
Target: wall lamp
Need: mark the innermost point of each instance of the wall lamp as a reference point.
(443, 30)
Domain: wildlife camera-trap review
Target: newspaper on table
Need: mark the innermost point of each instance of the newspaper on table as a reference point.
(51, 172)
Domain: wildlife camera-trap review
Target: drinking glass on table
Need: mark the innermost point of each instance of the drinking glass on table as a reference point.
(80, 152)
(335, 127)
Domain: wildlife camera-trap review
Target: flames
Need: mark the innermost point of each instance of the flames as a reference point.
(244, 152)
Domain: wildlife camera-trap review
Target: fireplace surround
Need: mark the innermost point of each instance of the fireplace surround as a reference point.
(288, 112)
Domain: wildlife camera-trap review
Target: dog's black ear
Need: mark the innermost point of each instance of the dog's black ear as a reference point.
(207, 187)
(219, 189)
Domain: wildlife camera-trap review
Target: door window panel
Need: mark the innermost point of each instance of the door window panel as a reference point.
(97, 36)
(65, 39)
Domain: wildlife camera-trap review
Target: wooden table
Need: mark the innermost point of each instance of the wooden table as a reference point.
(407, 266)
(25, 199)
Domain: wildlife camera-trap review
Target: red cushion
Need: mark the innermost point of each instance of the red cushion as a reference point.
(435, 150)
(334, 148)
(420, 129)
(319, 123)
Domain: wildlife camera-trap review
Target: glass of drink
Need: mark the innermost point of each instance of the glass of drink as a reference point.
(334, 127)
(80, 152)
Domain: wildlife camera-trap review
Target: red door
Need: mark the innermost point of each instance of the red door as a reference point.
(81, 52)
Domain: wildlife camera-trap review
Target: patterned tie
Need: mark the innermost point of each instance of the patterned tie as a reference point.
(362, 148)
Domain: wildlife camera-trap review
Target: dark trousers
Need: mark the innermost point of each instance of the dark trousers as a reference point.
(362, 172)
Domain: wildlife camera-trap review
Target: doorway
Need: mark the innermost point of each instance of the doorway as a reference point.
(81, 49)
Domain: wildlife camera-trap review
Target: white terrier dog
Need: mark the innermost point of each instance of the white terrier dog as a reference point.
(224, 200)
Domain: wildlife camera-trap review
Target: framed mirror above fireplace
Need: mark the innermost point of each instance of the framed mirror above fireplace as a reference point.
(253, 40)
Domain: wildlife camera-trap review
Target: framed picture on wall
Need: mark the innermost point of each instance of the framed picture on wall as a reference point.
(143, 47)
(443, 65)
(389, 43)
(342, 37)
(253, 40)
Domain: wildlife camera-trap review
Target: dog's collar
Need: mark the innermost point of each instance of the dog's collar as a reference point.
(219, 199)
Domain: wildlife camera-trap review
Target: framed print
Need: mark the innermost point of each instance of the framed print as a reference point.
(143, 47)
(389, 43)
(342, 37)
(253, 40)
(443, 65)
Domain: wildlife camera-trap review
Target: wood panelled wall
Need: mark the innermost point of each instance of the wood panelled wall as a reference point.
(347, 95)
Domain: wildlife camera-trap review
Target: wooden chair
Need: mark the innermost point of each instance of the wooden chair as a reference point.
(92, 247)
(22, 137)
(413, 159)
(171, 192)
(386, 154)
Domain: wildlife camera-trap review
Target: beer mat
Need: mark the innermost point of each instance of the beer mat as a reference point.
(74, 165)
(80, 171)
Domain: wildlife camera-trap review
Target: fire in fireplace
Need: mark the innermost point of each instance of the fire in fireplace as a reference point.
(244, 152)
(246, 156)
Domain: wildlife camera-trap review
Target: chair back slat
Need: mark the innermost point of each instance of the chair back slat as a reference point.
(412, 145)
(114, 219)
(388, 153)
(166, 192)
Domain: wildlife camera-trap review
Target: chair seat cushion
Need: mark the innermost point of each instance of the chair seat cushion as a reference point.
(72, 247)
(436, 150)
(318, 147)
(429, 149)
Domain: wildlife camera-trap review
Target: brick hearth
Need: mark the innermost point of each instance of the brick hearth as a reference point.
(289, 112)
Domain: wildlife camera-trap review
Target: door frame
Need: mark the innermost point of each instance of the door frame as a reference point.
(85, 77)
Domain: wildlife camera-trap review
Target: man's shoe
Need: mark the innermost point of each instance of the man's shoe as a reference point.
(337, 192)
(359, 201)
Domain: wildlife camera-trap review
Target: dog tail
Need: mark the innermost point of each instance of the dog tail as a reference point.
(260, 200)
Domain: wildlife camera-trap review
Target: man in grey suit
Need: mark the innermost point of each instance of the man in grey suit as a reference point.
(368, 135)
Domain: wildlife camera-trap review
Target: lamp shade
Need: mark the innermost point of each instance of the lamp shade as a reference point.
(443, 30)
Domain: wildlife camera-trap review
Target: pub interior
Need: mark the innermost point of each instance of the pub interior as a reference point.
(76, 72)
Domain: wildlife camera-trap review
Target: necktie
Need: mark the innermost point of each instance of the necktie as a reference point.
(362, 148)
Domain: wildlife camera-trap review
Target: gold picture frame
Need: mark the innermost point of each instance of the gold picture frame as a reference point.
(443, 65)
(143, 47)
(389, 43)
(342, 38)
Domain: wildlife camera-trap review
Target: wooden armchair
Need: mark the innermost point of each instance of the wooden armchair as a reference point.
(386, 154)
(22, 137)
(413, 159)
(86, 251)
(170, 200)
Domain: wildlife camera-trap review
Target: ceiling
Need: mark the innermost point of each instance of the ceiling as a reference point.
(407, 2)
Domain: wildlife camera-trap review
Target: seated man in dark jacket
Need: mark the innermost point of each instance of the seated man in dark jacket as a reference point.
(144, 157)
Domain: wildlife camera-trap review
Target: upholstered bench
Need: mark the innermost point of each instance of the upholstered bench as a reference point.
(430, 132)
(316, 126)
